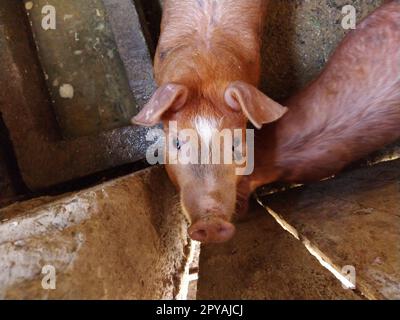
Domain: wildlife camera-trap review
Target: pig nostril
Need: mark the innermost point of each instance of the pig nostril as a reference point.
(199, 235)
(212, 230)
(223, 232)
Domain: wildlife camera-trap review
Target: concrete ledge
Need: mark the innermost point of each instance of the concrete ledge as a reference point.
(352, 220)
(125, 239)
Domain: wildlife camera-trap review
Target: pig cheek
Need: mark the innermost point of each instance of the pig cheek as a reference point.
(190, 202)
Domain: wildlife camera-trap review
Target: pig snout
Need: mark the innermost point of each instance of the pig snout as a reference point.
(210, 214)
(211, 230)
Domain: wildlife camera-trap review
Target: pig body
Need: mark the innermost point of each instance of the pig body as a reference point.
(207, 66)
(207, 44)
(350, 110)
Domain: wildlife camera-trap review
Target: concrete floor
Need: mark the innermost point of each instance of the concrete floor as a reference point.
(262, 262)
(352, 220)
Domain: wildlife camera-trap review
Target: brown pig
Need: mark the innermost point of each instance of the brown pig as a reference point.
(350, 110)
(207, 66)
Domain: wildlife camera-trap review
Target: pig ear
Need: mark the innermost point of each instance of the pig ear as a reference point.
(167, 97)
(257, 107)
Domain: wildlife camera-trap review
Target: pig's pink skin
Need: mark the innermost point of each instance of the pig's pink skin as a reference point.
(207, 44)
(350, 110)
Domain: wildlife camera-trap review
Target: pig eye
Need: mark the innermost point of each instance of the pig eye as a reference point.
(176, 143)
(236, 144)
(237, 152)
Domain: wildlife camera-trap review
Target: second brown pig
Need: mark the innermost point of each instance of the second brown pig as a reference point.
(350, 110)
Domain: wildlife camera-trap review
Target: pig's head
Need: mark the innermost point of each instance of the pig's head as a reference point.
(216, 122)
